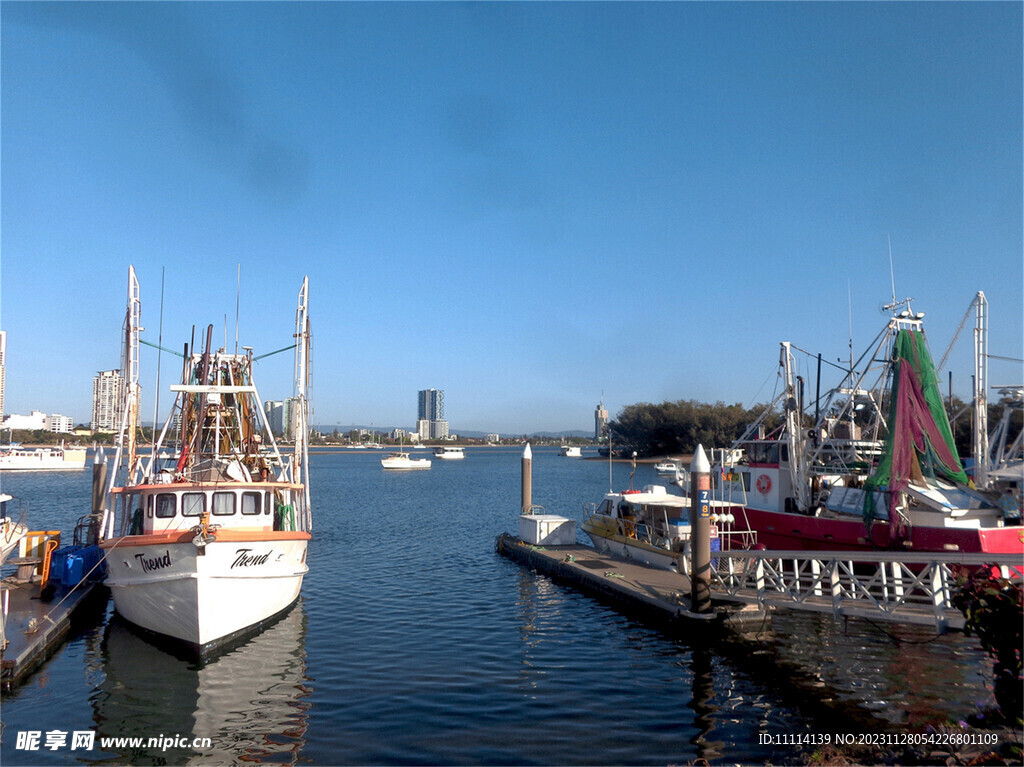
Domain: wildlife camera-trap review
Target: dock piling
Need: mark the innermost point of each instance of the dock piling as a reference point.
(700, 535)
(527, 481)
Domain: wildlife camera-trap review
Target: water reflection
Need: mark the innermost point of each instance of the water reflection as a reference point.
(595, 686)
(905, 675)
(251, 702)
(703, 689)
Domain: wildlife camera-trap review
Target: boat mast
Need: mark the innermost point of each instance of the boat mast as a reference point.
(300, 464)
(133, 327)
(981, 447)
(126, 438)
(794, 433)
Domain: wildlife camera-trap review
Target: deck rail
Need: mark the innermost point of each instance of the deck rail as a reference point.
(915, 588)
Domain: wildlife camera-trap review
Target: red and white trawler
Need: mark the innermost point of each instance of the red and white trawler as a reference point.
(205, 537)
(876, 469)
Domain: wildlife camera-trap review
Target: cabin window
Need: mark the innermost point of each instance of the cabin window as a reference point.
(763, 452)
(269, 505)
(165, 506)
(149, 507)
(251, 503)
(192, 504)
(223, 504)
(605, 507)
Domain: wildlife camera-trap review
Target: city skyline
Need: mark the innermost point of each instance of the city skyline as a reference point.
(532, 205)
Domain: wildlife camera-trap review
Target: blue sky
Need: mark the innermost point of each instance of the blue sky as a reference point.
(530, 206)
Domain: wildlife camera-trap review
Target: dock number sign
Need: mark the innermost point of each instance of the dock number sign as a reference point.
(704, 495)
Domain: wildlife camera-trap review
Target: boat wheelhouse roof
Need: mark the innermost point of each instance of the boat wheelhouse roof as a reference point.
(171, 487)
(653, 498)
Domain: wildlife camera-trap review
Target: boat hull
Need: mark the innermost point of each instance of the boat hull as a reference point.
(636, 551)
(204, 596)
(607, 540)
(411, 464)
(784, 531)
(11, 534)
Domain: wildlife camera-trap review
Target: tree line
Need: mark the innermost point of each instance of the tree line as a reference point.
(678, 427)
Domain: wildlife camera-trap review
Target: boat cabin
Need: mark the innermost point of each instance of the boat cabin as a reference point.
(652, 511)
(172, 507)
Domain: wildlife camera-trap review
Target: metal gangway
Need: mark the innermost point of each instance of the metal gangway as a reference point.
(898, 587)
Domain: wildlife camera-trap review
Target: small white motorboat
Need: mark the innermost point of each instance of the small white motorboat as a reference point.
(404, 462)
(449, 453)
(649, 526)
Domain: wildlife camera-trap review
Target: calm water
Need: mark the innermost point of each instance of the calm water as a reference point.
(414, 643)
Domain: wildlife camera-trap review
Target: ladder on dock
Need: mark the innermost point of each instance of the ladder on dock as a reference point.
(899, 587)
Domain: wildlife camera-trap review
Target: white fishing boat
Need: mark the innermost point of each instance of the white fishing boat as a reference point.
(571, 451)
(666, 467)
(449, 453)
(48, 458)
(210, 544)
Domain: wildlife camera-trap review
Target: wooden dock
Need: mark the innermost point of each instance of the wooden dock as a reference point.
(34, 628)
(662, 596)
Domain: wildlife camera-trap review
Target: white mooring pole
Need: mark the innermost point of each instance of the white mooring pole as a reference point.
(527, 489)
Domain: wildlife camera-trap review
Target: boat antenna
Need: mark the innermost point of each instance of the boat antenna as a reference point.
(611, 483)
(238, 293)
(849, 304)
(159, 349)
(891, 307)
(892, 271)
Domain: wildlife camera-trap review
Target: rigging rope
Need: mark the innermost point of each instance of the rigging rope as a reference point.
(271, 354)
(157, 346)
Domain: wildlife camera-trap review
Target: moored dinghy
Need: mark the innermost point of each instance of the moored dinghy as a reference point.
(205, 538)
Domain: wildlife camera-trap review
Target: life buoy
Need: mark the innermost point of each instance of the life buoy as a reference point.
(764, 484)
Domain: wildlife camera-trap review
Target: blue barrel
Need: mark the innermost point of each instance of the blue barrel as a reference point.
(74, 569)
(58, 563)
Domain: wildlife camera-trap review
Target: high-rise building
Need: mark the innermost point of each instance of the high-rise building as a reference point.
(600, 422)
(431, 405)
(107, 398)
(3, 370)
(430, 423)
(289, 417)
(274, 410)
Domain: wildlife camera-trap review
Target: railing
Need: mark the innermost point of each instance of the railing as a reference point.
(892, 586)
